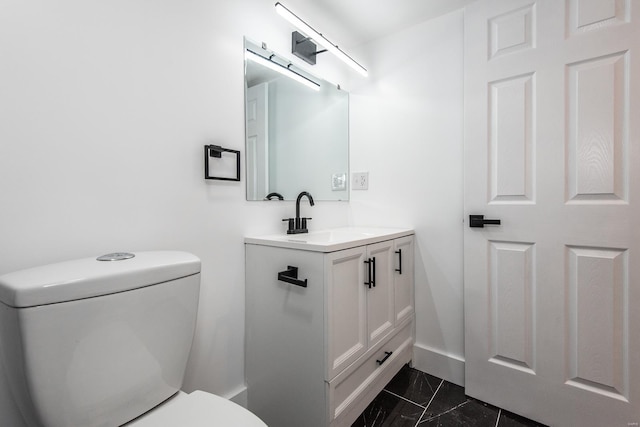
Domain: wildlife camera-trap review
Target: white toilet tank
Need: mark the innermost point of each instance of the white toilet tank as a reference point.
(98, 343)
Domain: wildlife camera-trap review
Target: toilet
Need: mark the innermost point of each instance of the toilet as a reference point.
(105, 342)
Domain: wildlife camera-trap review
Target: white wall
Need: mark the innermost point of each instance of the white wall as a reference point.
(407, 132)
(105, 108)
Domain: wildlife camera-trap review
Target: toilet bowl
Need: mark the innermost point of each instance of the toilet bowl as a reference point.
(105, 342)
(197, 409)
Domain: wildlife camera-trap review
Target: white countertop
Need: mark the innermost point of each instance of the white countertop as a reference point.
(330, 240)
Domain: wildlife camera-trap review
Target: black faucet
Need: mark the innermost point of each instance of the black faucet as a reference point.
(298, 225)
(274, 194)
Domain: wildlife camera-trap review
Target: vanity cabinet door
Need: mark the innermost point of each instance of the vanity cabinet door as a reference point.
(403, 278)
(346, 308)
(380, 295)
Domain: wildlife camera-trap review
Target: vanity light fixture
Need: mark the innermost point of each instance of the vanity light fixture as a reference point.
(304, 48)
(284, 70)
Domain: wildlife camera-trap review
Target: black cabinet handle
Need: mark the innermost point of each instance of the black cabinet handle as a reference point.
(478, 221)
(384, 359)
(290, 275)
(399, 252)
(373, 268)
(369, 282)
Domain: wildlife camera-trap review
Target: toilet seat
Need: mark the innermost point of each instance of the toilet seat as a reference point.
(197, 409)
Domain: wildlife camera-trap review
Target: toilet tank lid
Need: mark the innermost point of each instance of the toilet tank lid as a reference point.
(88, 277)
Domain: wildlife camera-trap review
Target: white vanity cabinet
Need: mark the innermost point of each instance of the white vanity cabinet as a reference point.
(317, 355)
(403, 279)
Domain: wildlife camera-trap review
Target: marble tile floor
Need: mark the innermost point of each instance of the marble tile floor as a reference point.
(416, 399)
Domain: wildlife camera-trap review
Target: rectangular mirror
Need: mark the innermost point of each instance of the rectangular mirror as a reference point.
(297, 135)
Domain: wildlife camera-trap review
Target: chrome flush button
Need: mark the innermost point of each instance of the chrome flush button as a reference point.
(116, 256)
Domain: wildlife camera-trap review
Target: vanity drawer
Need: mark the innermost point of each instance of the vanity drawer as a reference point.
(354, 388)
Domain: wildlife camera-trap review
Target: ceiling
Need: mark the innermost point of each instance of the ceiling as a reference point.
(359, 21)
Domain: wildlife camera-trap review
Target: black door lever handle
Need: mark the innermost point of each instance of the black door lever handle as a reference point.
(479, 221)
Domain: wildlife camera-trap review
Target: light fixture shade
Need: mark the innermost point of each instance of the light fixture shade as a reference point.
(252, 56)
(319, 38)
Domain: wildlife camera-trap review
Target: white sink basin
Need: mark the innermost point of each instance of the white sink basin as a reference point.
(330, 240)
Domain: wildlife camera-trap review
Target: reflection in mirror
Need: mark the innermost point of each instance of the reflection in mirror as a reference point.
(297, 137)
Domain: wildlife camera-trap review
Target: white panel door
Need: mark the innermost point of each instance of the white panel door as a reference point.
(257, 142)
(552, 149)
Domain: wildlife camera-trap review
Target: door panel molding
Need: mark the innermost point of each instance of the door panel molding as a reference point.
(597, 320)
(597, 129)
(512, 304)
(511, 124)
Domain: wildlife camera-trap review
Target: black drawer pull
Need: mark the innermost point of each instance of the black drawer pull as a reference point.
(384, 359)
(399, 252)
(290, 275)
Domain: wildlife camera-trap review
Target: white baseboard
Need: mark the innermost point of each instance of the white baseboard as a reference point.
(446, 366)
